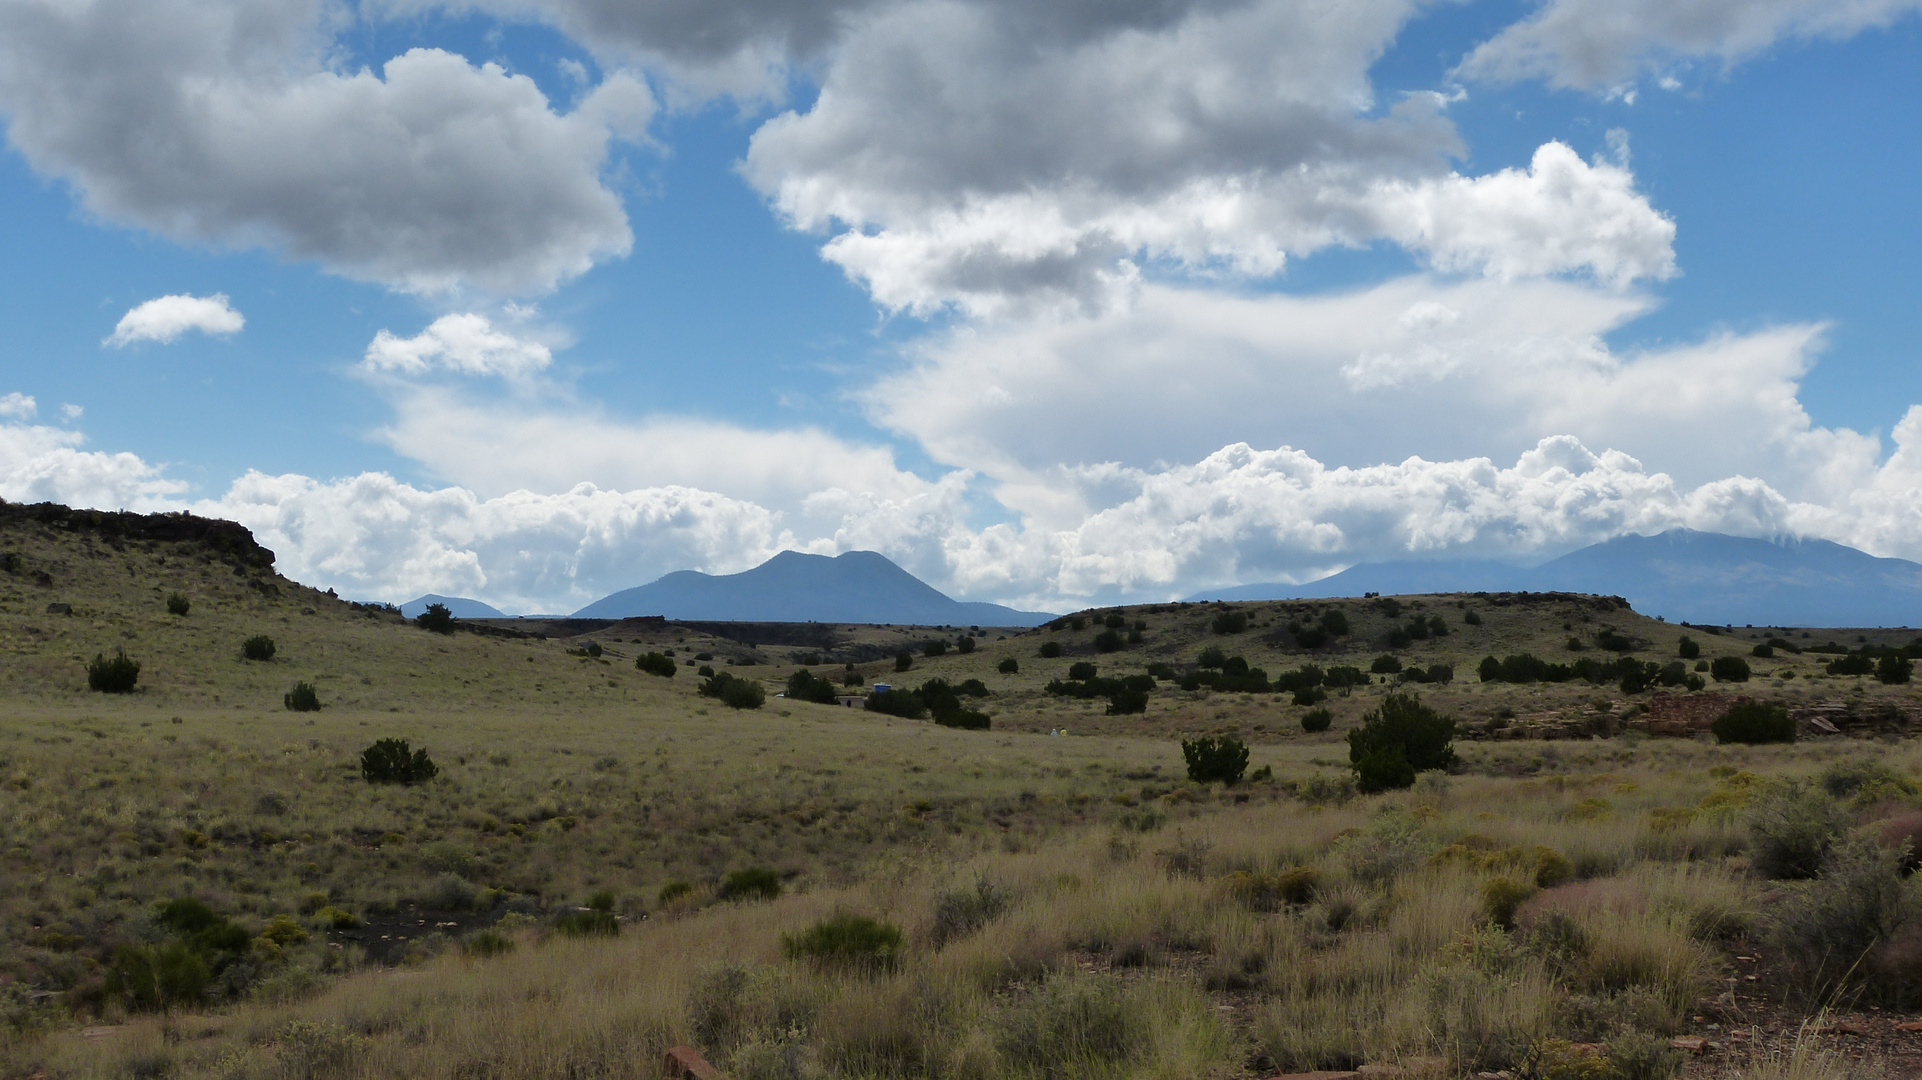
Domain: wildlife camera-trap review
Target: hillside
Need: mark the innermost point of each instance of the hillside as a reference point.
(853, 587)
(1681, 575)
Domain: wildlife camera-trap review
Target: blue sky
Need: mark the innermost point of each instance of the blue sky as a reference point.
(1048, 302)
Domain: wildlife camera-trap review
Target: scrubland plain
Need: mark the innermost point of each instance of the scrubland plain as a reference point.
(608, 863)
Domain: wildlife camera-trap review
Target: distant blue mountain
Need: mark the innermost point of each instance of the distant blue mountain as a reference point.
(459, 606)
(1681, 575)
(854, 587)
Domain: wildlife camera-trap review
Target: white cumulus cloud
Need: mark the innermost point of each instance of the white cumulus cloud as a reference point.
(466, 344)
(165, 318)
(226, 122)
(18, 406)
(1605, 44)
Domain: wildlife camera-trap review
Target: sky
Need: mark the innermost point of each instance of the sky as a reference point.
(1053, 302)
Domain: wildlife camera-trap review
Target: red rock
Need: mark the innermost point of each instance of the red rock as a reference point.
(1693, 1044)
(1909, 1025)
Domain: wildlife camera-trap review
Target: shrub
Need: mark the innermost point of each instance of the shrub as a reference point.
(1211, 657)
(1501, 896)
(178, 604)
(803, 685)
(436, 618)
(115, 676)
(1316, 720)
(1229, 622)
(1837, 929)
(589, 923)
(965, 719)
(1050, 649)
(1387, 664)
(963, 912)
(1754, 722)
(1107, 641)
(1081, 669)
(1310, 695)
(1008, 666)
(150, 977)
(753, 883)
(733, 691)
(655, 663)
(1636, 1056)
(1341, 677)
(593, 649)
(1125, 702)
(846, 940)
(672, 891)
(1398, 739)
(486, 943)
(1866, 781)
(302, 698)
(1729, 669)
(1894, 668)
(936, 647)
(1688, 648)
(1212, 758)
(392, 761)
(1764, 651)
(1472, 617)
(1335, 622)
(903, 703)
(1792, 830)
(964, 646)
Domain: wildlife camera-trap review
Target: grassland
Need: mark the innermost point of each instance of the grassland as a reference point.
(1070, 906)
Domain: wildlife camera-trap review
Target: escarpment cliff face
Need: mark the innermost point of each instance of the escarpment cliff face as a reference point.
(224, 540)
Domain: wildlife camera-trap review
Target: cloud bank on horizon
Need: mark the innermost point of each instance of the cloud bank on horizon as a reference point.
(1088, 213)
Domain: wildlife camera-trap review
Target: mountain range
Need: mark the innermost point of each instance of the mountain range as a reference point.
(1680, 575)
(853, 587)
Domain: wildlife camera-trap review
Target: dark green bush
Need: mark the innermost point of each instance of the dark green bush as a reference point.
(733, 691)
(1614, 640)
(846, 940)
(1335, 622)
(672, 891)
(972, 688)
(1127, 702)
(904, 660)
(1008, 666)
(1316, 720)
(1310, 695)
(1081, 669)
(1852, 929)
(1754, 722)
(392, 761)
(302, 698)
(1341, 677)
(1229, 622)
(1107, 641)
(965, 719)
(936, 647)
(655, 663)
(146, 978)
(964, 646)
(1894, 668)
(1050, 649)
(1211, 657)
(753, 883)
(1729, 669)
(115, 676)
(1472, 617)
(1387, 664)
(803, 685)
(259, 647)
(590, 923)
(897, 702)
(436, 618)
(1211, 758)
(486, 943)
(178, 604)
(1764, 651)
(1688, 648)
(1395, 741)
(1860, 663)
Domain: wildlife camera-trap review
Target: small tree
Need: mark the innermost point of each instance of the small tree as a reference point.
(1397, 740)
(1212, 758)
(1754, 722)
(1688, 648)
(964, 646)
(1050, 650)
(1211, 657)
(804, 686)
(1107, 641)
(436, 618)
(1229, 622)
(933, 648)
(1729, 669)
(178, 604)
(1081, 669)
(115, 676)
(302, 698)
(753, 883)
(734, 692)
(1894, 668)
(1008, 666)
(1316, 720)
(904, 660)
(655, 663)
(392, 761)
(259, 647)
